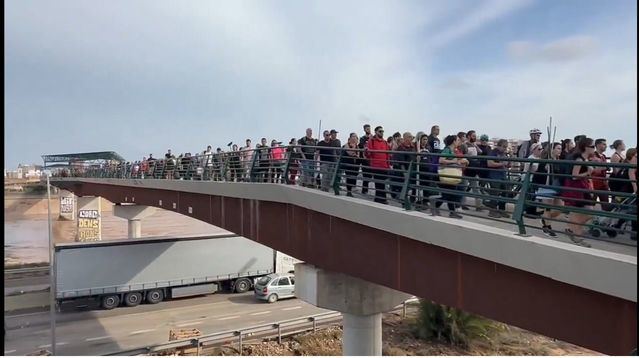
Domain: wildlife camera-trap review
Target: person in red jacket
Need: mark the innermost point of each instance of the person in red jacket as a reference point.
(379, 162)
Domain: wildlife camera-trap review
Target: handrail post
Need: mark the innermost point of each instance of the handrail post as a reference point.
(240, 342)
(336, 176)
(252, 169)
(279, 334)
(405, 187)
(225, 160)
(518, 213)
(288, 164)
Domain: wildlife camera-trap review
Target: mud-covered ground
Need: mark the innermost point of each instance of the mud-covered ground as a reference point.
(399, 341)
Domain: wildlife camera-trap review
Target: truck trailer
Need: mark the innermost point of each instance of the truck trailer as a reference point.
(149, 270)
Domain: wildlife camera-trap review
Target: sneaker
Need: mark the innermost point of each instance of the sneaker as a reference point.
(548, 231)
(576, 240)
(349, 194)
(464, 207)
(494, 214)
(479, 209)
(454, 215)
(504, 214)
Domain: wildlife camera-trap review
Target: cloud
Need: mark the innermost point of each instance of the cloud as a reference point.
(455, 84)
(143, 76)
(563, 50)
(595, 96)
(462, 24)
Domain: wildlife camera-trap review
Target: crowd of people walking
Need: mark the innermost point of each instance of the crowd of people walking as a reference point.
(458, 169)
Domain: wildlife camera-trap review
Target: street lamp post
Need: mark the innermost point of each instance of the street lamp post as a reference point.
(52, 305)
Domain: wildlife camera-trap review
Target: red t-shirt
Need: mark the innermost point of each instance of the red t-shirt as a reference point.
(599, 181)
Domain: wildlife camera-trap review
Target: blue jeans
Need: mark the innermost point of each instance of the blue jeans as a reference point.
(307, 171)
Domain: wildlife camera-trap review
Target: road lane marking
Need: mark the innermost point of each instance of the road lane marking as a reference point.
(291, 308)
(49, 345)
(96, 338)
(143, 331)
(188, 324)
(185, 308)
(9, 352)
(191, 321)
(225, 318)
(259, 313)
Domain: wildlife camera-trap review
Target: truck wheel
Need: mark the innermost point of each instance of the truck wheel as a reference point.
(272, 298)
(242, 285)
(110, 302)
(132, 299)
(154, 296)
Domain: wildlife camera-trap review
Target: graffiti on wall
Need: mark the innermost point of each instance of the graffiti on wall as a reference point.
(88, 225)
(66, 205)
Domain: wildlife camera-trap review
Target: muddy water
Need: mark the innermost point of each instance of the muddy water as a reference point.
(26, 234)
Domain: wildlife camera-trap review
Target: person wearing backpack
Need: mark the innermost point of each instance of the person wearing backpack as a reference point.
(624, 184)
(449, 159)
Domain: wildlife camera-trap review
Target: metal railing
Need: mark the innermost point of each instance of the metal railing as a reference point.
(545, 194)
(24, 270)
(277, 330)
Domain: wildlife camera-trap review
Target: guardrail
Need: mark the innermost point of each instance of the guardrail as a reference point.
(18, 271)
(278, 329)
(596, 198)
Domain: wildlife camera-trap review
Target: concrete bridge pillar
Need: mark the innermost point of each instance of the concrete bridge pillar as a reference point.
(89, 219)
(134, 214)
(67, 205)
(360, 302)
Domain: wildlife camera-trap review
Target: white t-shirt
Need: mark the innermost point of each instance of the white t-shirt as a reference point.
(532, 166)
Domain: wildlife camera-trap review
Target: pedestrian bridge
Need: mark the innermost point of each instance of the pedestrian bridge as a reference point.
(585, 296)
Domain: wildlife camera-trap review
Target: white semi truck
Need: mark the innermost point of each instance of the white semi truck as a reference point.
(132, 271)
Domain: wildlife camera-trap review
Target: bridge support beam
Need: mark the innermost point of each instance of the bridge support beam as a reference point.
(360, 302)
(134, 214)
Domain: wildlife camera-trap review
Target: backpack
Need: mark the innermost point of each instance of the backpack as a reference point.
(619, 185)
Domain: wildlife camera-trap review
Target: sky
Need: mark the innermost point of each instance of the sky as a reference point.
(139, 77)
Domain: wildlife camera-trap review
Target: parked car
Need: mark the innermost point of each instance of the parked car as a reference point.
(275, 286)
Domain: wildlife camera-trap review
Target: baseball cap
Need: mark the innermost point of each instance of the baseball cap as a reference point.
(484, 138)
(334, 131)
(535, 131)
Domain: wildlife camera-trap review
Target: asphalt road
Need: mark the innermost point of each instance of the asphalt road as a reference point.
(84, 331)
(25, 283)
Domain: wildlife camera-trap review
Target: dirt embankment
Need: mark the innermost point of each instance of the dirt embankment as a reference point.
(20, 205)
(399, 341)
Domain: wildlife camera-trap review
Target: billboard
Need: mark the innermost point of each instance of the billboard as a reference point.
(89, 219)
(67, 205)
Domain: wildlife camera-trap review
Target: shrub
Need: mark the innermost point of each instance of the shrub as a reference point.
(448, 324)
